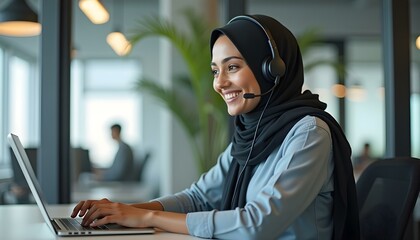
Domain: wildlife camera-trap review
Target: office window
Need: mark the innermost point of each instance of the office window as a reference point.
(364, 92)
(111, 75)
(365, 97)
(18, 101)
(103, 93)
(23, 101)
(365, 113)
(18, 96)
(101, 111)
(322, 78)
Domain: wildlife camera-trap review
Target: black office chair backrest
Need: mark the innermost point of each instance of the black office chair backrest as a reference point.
(142, 166)
(387, 193)
(80, 162)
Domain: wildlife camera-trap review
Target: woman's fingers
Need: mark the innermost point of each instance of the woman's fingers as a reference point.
(98, 211)
(108, 212)
(104, 220)
(83, 206)
(77, 208)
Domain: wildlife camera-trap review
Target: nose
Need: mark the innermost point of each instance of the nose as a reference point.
(221, 81)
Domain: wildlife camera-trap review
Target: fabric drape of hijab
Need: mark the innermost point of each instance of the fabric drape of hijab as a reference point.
(286, 107)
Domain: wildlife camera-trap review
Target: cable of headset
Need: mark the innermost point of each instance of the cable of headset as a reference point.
(254, 138)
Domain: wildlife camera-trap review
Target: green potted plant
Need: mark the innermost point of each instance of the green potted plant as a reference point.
(206, 120)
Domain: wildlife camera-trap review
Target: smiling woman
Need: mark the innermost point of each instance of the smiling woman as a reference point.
(233, 78)
(287, 167)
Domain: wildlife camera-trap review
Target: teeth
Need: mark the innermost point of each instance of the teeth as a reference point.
(231, 95)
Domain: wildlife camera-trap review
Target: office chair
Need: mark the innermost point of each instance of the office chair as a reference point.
(80, 162)
(387, 193)
(138, 169)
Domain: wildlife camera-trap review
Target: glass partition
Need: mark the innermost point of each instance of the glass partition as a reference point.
(103, 93)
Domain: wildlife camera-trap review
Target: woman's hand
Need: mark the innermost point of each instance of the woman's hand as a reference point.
(100, 212)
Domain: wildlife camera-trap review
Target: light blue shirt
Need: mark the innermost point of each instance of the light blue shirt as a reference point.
(288, 197)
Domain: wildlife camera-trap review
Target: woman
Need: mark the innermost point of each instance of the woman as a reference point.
(287, 173)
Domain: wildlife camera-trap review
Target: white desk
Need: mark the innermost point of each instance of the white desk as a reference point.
(32, 226)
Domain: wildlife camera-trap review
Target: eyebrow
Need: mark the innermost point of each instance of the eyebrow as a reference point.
(227, 60)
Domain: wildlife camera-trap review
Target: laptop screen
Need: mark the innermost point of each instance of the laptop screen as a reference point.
(30, 177)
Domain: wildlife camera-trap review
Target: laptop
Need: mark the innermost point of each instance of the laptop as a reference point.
(63, 226)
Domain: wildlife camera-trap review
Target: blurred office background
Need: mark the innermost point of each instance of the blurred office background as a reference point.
(103, 83)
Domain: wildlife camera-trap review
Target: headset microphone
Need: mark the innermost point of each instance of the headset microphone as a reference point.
(252, 95)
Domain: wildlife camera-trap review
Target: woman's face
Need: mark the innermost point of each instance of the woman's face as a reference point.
(233, 78)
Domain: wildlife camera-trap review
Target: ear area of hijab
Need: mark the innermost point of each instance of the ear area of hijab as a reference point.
(273, 67)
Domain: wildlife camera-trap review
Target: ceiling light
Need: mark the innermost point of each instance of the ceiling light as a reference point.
(94, 10)
(17, 19)
(339, 90)
(118, 43)
(116, 39)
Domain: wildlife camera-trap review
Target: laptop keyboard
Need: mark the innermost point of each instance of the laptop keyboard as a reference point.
(75, 225)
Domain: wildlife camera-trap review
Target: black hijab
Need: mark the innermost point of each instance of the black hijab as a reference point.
(285, 108)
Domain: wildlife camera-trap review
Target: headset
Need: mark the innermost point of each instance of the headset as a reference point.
(273, 68)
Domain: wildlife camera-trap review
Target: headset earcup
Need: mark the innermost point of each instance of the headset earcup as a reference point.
(279, 68)
(273, 68)
(266, 70)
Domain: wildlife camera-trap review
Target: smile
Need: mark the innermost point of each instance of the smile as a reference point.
(230, 96)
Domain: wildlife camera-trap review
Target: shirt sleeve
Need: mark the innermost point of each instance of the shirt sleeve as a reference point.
(203, 195)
